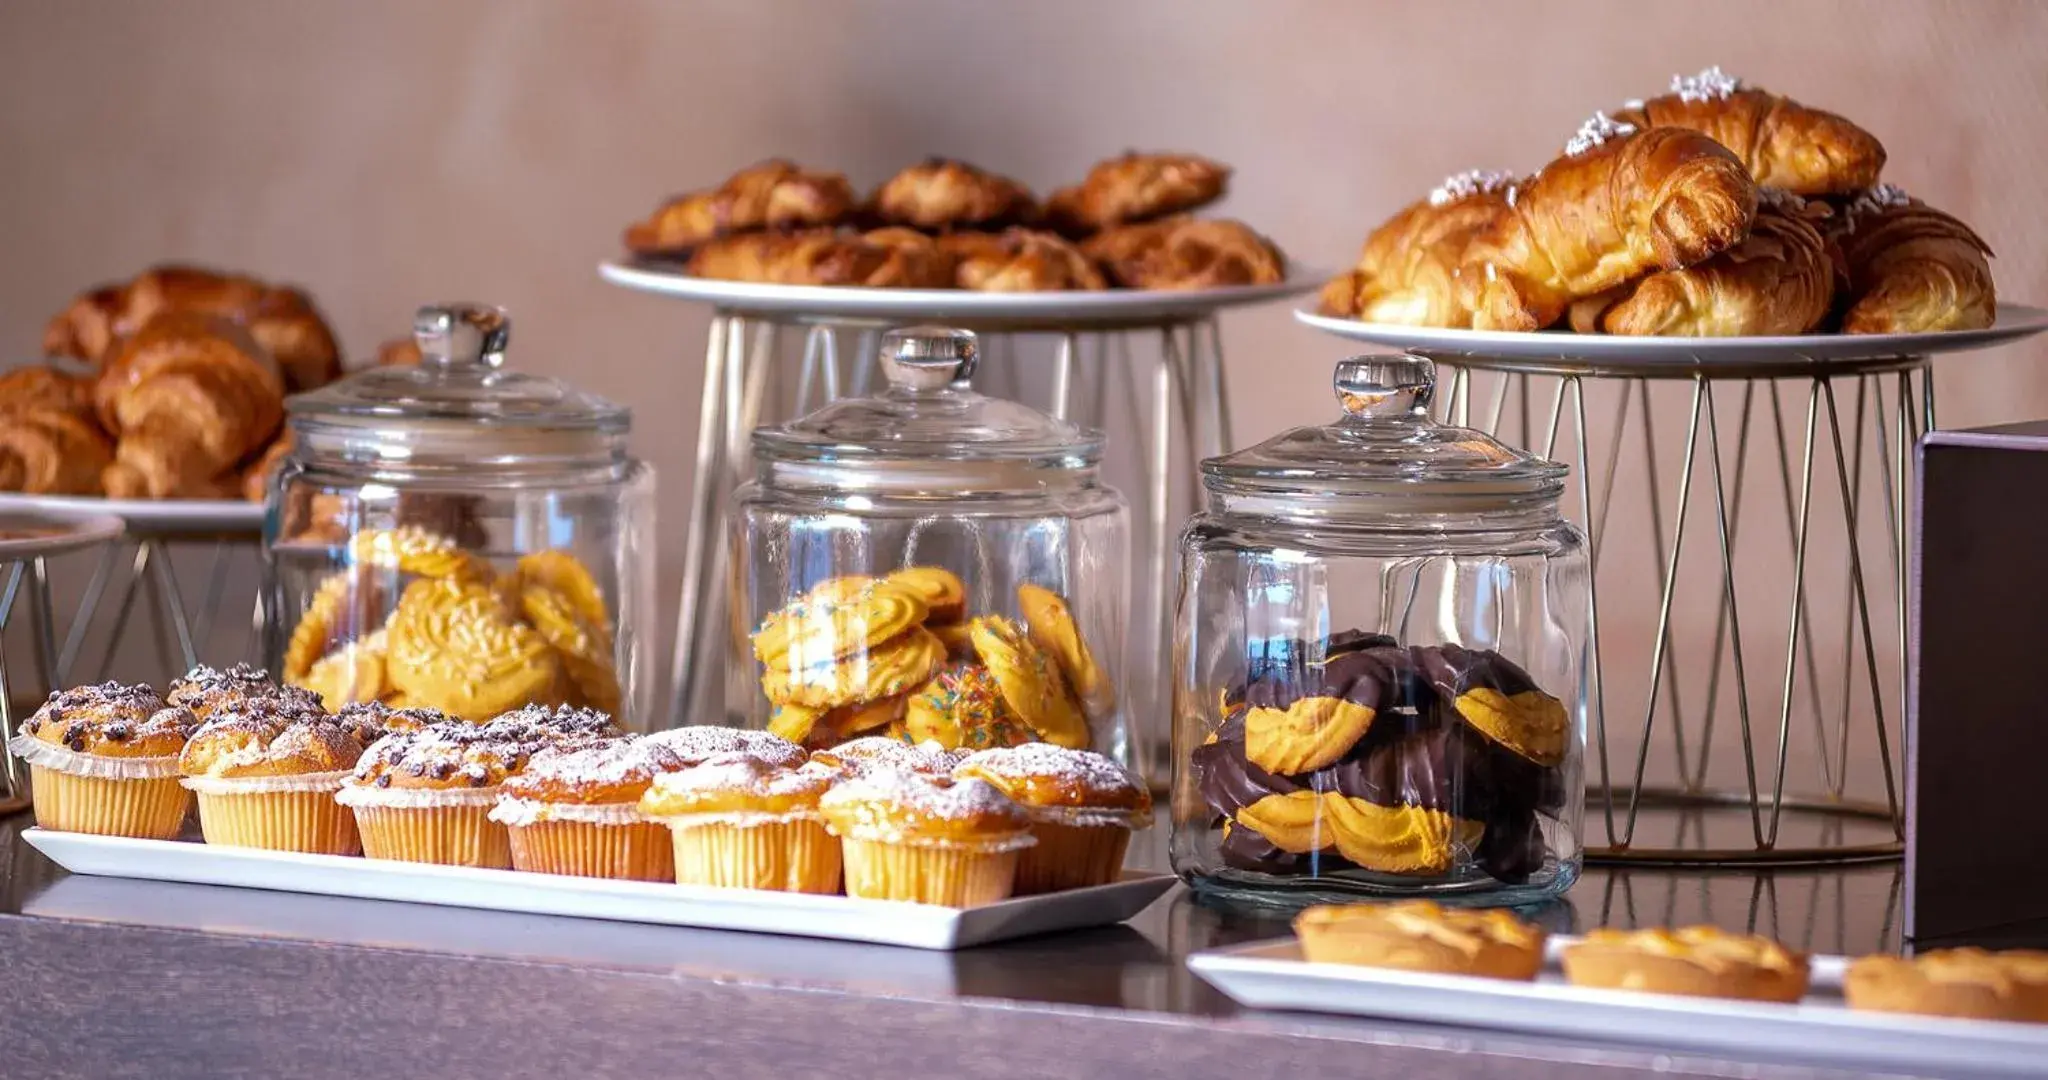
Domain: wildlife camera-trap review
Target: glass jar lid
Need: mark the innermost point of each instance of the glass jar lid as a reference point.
(930, 425)
(459, 402)
(1386, 447)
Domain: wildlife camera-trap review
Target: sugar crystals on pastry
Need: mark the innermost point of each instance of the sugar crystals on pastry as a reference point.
(1784, 144)
(1912, 269)
(1619, 202)
(774, 194)
(1407, 271)
(1137, 187)
(939, 194)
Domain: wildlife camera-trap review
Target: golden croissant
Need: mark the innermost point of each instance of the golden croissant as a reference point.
(941, 194)
(1619, 203)
(49, 442)
(1407, 272)
(188, 396)
(1912, 269)
(283, 320)
(1136, 187)
(1784, 144)
(1019, 260)
(774, 194)
(1779, 280)
(1187, 253)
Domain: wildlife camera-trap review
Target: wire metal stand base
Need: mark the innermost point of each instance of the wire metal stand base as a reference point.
(1173, 401)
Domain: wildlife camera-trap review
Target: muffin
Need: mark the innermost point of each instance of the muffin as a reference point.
(1697, 961)
(743, 821)
(266, 771)
(1421, 935)
(1968, 982)
(104, 759)
(1082, 805)
(560, 724)
(697, 744)
(926, 839)
(858, 756)
(206, 690)
(425, 794)
(382, 716)
(574, 810)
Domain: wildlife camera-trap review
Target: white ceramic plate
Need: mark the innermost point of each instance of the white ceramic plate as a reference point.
(2014, 321)
(1272, 975)
(1049, 310)
(45, 533)
(149, 515)
(918, 926)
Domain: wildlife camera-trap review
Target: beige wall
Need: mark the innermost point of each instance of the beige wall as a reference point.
(390, 153)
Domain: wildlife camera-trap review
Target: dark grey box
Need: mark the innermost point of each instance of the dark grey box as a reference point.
(1977, 717)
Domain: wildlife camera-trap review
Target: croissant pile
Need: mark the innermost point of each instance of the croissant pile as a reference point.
(168, 386)
(943, 224)
(1715, 210)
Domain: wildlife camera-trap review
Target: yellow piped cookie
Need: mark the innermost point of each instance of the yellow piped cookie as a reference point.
(885, 670)
(354, 672)
(794, 722)
(414, 550)
(943, 593)
(338, 602)
(1306, 735)
(1531, 723)
(835, 620)
(1389, 839)
(585, 647)
(566, 575)
(452, 647)
(1030, 681)
(1053, 629)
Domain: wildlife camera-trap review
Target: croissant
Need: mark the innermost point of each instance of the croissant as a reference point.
(188, 396)
(1020, 260)
(1912, 269)
(1136, 187)
(1407, 272)
(1618, 203)
(916, 261)
(256, 476)
(38, 387)
(283, 320)
(1779, 280)
(1785, 145)
(52, 451)
(775, 194)
(85, 329)
(822, 257)
(940, 194)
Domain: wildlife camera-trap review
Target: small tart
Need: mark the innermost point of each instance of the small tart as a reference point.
(856, 757)
(963, 706)
(1030, 681)
(1053, 629)
(885, 670)
(836, 619)
(943, 593)
(1054, 783)
(413, 550)
(1420, 935)
(205, 690)
(274, 739)
(899, 807)
(111, 720)
(1697, 961)
(738, 784)
(1967, 982)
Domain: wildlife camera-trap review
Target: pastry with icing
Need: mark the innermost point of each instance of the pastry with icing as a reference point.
(104, 759)
(1083, 807)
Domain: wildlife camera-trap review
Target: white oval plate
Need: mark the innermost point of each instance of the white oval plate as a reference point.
(52, 533)
(148, 515)
(1043, 309)
(2015, 321)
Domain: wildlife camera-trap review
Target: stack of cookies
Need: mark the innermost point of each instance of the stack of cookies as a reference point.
(901, 656)
(943, 224)
(1357, 753)
(461, 637)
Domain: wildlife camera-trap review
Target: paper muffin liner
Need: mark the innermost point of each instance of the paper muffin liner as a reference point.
(277, 813)
(792, 854)
(516, 812)
(71, 762)
(926, 874)
(1071, 857)
(638, 851)
(448, 826)
(147, 809)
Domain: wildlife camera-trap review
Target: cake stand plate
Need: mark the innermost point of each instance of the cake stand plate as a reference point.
(160, 516)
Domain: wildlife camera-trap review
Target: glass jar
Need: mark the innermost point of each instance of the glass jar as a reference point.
(1380, 662)
(461, 536)
(930, 564)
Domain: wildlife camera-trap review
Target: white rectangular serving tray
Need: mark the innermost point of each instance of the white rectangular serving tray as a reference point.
(1822, 1028)
(884, 922)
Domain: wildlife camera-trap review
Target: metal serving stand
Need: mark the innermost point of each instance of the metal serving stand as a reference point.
(776, 352)
(1784, 443)
(27, 543)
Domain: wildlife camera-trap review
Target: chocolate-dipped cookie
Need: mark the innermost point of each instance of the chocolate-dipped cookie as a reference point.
(1499, 699)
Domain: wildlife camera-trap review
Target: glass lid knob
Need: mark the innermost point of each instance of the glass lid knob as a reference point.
(1373, 387)
(928, 357)
(462, 335)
